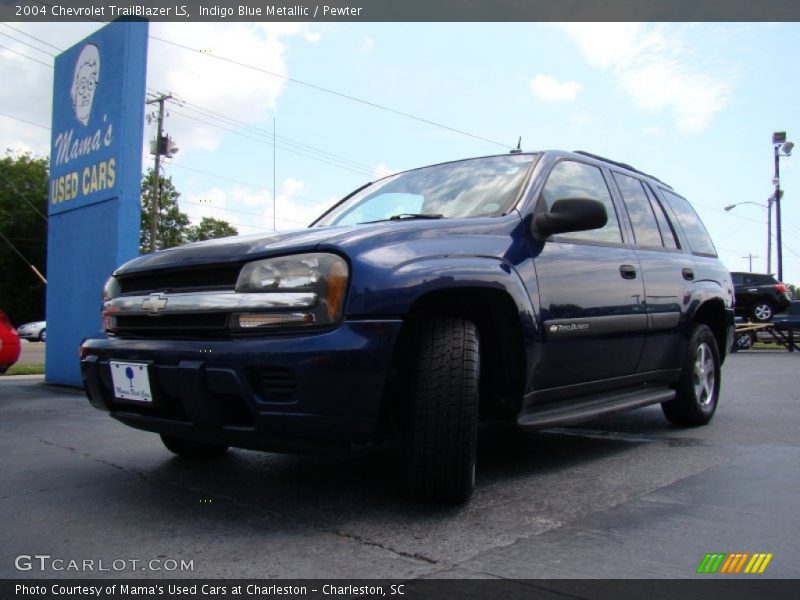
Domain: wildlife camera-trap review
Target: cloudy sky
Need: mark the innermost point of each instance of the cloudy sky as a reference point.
(693, 104)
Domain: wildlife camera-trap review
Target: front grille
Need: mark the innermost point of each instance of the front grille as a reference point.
(216, 277)
(193, 325)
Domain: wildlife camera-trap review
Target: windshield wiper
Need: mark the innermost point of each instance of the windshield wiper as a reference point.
(405, 216)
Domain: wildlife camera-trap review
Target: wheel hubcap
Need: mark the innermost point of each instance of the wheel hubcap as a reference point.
(704, 375)
(763, 312)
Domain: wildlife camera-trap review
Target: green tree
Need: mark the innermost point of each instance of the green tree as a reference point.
(23, 223)
(172, 224)
(173, 228)
(210, 228)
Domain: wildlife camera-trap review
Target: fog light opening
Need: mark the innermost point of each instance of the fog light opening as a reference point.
(255, 320)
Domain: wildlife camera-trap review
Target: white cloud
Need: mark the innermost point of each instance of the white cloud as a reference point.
(27, 87)
(250, 209)
(654, 68)
(221, 86)
(368, 44)
(551, 89)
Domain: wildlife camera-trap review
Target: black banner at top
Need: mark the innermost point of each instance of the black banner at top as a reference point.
(400, 10)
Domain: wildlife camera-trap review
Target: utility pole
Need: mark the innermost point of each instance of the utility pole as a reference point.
(156, 177)
(770, 200)
(750, 257)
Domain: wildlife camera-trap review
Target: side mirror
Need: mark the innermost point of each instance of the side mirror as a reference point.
(571, 214)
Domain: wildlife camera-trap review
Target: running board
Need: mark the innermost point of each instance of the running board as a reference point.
(573, 410)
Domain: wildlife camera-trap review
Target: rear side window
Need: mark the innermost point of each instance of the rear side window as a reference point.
(699, 240)
(738, 278)
(667, 232)
(645, 227)
(571, 179)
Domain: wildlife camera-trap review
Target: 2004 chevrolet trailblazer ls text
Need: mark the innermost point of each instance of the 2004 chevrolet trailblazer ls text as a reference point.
(544, 288)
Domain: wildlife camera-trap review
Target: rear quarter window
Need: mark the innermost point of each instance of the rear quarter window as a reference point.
(696, 233)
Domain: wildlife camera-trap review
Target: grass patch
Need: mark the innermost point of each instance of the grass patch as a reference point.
(25, 370)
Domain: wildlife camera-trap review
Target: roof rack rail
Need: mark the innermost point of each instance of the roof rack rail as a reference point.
(621, 164)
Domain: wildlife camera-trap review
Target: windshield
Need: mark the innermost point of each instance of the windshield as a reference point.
(479, 187)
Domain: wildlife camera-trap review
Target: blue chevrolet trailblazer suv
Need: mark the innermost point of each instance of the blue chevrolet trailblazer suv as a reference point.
(542, 288)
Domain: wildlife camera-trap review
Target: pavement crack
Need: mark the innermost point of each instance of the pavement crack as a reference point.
(357, 538)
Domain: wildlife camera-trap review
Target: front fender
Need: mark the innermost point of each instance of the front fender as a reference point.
(393, 291)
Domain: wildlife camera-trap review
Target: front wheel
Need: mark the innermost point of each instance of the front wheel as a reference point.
(192, 449)
(697, 391)
(443, 426)
(43, 335)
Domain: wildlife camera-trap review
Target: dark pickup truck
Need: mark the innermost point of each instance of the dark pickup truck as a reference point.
(542, 288)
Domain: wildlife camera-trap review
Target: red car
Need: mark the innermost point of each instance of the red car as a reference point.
(9, 343)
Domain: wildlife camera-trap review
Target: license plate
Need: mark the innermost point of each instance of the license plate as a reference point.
(131, 381)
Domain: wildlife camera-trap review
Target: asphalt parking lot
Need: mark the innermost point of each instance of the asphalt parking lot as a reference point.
(627, 496)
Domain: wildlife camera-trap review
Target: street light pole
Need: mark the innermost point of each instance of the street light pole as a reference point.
(781, 148)
(779, 256)
(768, 206)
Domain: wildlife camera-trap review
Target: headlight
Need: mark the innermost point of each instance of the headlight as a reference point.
(324, 275)
(110, 290)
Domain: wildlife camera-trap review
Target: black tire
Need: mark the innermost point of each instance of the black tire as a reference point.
(762, 311)
(697, 391)
(192, 449)
(443, 424)
(43, 335)
(742, 341)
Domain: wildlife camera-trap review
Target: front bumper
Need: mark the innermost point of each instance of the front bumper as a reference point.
(277, 392)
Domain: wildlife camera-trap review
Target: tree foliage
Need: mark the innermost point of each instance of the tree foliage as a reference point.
(173, 226)
(210, 228)
(23, 222)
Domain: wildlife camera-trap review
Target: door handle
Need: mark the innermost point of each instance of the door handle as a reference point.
(688, 274)
(627, 271)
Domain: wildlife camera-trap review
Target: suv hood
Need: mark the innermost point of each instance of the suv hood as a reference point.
(239, 249)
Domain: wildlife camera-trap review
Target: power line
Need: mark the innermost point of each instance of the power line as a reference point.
(307, 84)
(332, 92)
(236, 210)
(252, 185)
(2, 114)
(50, 54)
(359, 170)
(24, 197)
(229, 120)
(25, 260)
(36, 60)
(33, 37)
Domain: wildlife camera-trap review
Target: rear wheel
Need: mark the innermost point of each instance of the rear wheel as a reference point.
(697, 391)
(443, 424)
(762, 311)
(192, 449)
(742, 341)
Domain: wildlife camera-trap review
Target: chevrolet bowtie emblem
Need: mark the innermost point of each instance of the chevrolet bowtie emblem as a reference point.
(155, 303)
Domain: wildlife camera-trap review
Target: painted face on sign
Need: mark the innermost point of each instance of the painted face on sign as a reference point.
(84, 82)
